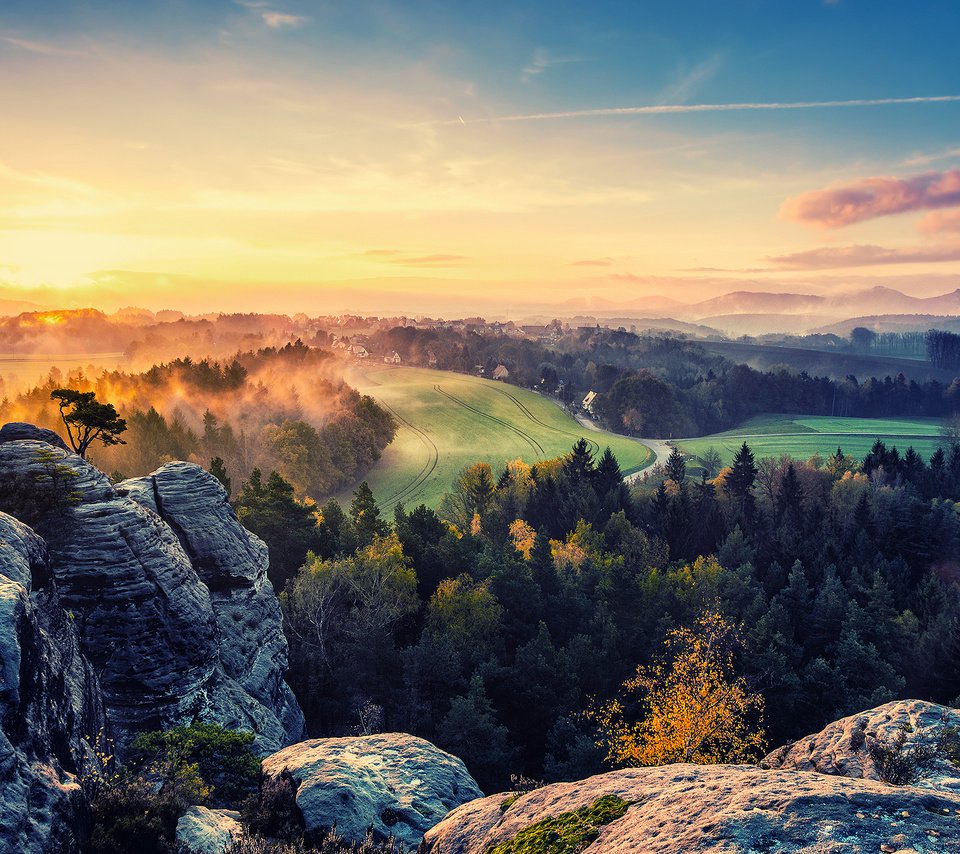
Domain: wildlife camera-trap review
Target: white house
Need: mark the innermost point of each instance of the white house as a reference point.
(588, 401)
(500, 372)
(359, 351)
(392, 358)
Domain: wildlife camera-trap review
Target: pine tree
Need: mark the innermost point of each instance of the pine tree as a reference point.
(740, 479)
(219, 470)
(366, 515)
(676, 468)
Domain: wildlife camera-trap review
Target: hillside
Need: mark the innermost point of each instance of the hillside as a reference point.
(448, 421)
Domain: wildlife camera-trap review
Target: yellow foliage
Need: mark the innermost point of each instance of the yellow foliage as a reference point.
(523, 537)
(476, 528)
(697, 709)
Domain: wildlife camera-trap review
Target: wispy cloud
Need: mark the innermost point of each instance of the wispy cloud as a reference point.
(43, 48)
(542, 60)
(870, 198)
(681, 90)
(667, 109)
(273, 18)
(833, 257)
(281, 20)
(933, 157)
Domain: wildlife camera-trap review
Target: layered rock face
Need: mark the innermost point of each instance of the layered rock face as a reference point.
(843, 747)
(714, 808)
(146, 620)
(51, 716)
(398, 783)
(232, 564)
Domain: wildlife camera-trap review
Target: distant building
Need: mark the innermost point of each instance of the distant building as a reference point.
(500, 372)
(431, 359)
(359, 351)
(588, 401)
(392, 358)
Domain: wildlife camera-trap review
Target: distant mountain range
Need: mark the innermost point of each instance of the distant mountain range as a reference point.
(757, 312)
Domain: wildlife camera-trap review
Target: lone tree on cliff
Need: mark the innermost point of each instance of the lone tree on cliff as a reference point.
(87, 419)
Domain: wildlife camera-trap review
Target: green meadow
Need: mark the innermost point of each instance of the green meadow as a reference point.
(802, 437)
(448, 421)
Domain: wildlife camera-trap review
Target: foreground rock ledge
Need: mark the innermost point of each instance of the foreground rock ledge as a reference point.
(399, 784)
(843, 747)
(721, 808)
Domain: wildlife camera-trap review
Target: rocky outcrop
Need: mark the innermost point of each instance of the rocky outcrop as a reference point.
(232, 563)
(50, 711)
(205, 831)
(398, 784)
(145, 617)
(722, 808)
(15, 431)
(843, 747)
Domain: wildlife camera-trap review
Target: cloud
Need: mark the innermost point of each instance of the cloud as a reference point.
(593, 262)
(279, 20)
(832, 257)
(688, 83)
(668, 109)
(932, 157)
(869, 198)
(43, 48)
(543, 60)
(940, 222)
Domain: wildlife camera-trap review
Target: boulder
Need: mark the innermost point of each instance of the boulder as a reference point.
(232, 563)
(843, 747)
(398, 784)
(14, 431)
(205, 831)
(146, 619)
(703, 808)
(50, 709)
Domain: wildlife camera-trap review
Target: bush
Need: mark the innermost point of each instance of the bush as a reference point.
(899, 765)
(223, 757)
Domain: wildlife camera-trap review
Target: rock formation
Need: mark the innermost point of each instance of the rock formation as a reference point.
(167, 648)
(205, 831)
(400, 784)
(50, 710)
(843, 747)
(709, 808)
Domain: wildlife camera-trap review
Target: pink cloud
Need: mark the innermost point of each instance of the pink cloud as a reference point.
(832, 257)
(869, 198)
(940, 222)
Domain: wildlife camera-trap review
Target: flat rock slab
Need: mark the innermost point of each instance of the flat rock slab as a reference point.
(205, 831)
(398, 784)
(721, 808)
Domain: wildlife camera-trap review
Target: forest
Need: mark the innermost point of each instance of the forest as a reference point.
(279, 408)
(498, 626)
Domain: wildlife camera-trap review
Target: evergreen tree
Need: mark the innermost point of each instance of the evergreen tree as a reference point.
(676, 468)
(365, 515)
(740, 479)
(219, 471)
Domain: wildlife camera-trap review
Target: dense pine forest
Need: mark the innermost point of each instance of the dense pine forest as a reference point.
(496, 625)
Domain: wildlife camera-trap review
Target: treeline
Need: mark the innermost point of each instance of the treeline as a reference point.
(943, 349)
(490, 626)
(282, 409)
(670, 387)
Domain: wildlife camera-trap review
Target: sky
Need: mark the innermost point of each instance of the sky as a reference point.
(314, 155)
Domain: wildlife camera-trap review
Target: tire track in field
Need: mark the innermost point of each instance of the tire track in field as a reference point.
(433, 457)
(537, 447)
(523, 408)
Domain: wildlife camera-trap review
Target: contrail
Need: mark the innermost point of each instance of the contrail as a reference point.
(660, 109)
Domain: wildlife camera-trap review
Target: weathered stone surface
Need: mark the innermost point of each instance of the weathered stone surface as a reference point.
(14, 431)
(205, 831)
(50, 709)
(232, 563)
(722, 808)
(399, 784)
(145, 619)
(843, 747)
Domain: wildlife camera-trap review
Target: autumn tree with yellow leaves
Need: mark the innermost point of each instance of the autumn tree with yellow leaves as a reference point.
(697, 709)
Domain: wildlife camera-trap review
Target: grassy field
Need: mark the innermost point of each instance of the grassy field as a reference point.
(448, 421)
(803, 436)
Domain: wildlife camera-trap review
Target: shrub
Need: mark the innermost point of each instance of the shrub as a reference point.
(900, 765)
